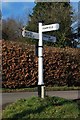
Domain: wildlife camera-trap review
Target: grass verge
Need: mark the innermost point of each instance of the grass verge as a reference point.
(34, 89)
(37, 108)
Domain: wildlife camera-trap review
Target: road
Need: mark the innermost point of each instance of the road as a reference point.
(8, 98)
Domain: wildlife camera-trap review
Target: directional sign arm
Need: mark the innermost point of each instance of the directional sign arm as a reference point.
(35, 35)
(50, 27)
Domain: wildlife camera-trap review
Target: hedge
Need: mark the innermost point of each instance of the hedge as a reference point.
(20, 66)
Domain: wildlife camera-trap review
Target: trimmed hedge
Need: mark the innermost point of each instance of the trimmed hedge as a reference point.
(20, 66)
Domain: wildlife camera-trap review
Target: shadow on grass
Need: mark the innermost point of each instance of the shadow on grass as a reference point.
(26, 114)
(50, 102)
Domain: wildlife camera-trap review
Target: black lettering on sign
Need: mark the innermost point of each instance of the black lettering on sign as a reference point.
(48, 27)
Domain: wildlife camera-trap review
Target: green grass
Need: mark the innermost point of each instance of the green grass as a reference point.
(34, 89)
(62, 88)
(19, 90)
(37, 108)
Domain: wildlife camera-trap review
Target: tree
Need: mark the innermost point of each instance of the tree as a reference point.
(11, 29)
(55, 12)
(76, 27)
(79, 21)
(0, 15)
(0, 25)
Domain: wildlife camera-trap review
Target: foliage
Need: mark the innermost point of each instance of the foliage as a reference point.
(55, 12)
(0, 25)
(11, 29)
(20, 66)
(37, 108)
(64, 66)
(0, 14)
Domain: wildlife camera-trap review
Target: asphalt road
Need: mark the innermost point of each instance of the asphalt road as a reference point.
(8, 98)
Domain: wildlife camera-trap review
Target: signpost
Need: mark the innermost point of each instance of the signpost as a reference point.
(35, 35)
(41, 37)
(40, 55)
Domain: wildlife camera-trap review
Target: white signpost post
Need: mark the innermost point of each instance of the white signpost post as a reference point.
(41, 37)
(40, 55)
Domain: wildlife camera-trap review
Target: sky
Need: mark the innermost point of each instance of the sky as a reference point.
(17, 9)
(36, 0)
